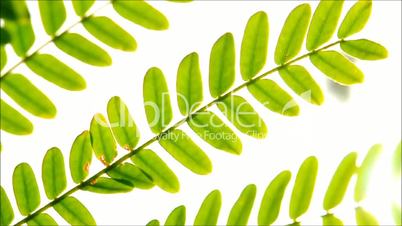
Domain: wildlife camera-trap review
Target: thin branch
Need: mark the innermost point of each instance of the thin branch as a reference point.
(25, 58)
(156, 138)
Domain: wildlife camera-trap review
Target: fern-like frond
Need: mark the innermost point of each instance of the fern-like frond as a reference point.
(18, 32)
(270, 204)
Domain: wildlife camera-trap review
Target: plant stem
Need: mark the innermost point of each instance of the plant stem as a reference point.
(177, 124)
(24, 59)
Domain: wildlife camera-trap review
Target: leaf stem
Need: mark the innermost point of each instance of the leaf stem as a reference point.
(25, 58)
(156, 138)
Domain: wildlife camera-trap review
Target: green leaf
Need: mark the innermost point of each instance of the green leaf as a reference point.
(53, 15)
(53, 173)
(82, 6)
(340, 181)
(14, 122)
(80, 157)
(364, 218)
(355, 19)
(20, 29)
(43, 219)
(364, 172)
(82, 49)
(254, 46)
(272, 199)
(177, 217)
(273, 97)
(303, 188)
(397, 213)
(102, 139)
(240, 212)
(364, 49)
(141, 13)
(209, 211)
(292, 35)
(331, 220)
(22, 91)
(157, 169)
(302, 83)
(132, 174)
(7, 213)
(323, 24)
(337, 67)
(222, 65)
(26, 189)
(184, 150)
(243, 116)
(105, 185)
(3, 55)
(153, 223)
(215, 132)
(110, 33)
(123, 126)
(55, 71)
(157, 100)
(189, 84)
(396, 160)
(74, 212)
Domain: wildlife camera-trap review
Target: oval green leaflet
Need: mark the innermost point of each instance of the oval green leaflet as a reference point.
(153, 223)
(82, 49)
(157, 169)
(20, 29)
(209, 211)
(180, 146)
(273, 97)
(26, 189)
(80, 157)
(22, 91)
(177, 217)
(364, 218)
(74, 212)
(53, 15)
(157, 100)
(141, 13)
(55, 71)
(243, 116)
(355, 19)
(214, 131)
(131, 174)
(7, 213)
(110, 33)
(331, 220)
(292, 35)
(105, 185)
(241, 210)
(102, 139)
(82, 6)
(364, 49)
(323, 24)
(189, 84)
(14, 122)
(272, 199)
(123, 126)
(254, 47)
(337, 67)
(340, 181)
(303, 188)
(222, 65)
(364, 172)
(42, 219)
(53, 173)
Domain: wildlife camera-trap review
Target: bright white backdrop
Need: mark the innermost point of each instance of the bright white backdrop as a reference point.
(371, 115)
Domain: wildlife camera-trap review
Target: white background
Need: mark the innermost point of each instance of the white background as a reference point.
(370, 115)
